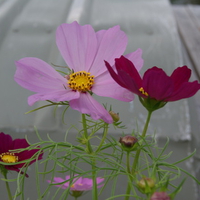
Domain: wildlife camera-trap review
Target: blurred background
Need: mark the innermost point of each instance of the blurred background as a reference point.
(185, 1)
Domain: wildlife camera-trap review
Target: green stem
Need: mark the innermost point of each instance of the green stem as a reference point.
(129, 174)
(105, 132)
(7, 187)
(94, 180)
(128, 162)
(137, 155)
(90, 151)
(86, 133)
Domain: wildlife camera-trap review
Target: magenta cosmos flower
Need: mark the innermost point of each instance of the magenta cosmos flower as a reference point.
(155, 84)
(78, 184)
(6, 156)
(84, 51)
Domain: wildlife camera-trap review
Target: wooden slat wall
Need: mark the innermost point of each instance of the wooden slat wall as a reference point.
(188, 22)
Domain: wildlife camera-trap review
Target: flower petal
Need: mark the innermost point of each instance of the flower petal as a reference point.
(87, 181)
(27, 154)
(186, 90)
(77, 44)
(58, 180)
(88, 105)
(114, 75)
(136, 58)
(99, 180)
(5, 142)
(112, 44)
(81, 187)
(86, 184)
(180, 75)
(38, 76)
(79, 184)
(127, 66)
(19, 144)
(157, 84)
(130, 83)
(107, 87)
(56, 96)
(127, 75)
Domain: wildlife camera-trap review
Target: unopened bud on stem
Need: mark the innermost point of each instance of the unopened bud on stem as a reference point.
(128, 142)
(114, 115)
(160, 196)
(146, 184)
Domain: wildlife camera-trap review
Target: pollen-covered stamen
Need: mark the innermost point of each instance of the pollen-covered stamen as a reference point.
(73, 185)
(8, 157)
(81, 81)
(143, 91)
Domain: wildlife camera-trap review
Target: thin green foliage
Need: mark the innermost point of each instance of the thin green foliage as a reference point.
(104, 158)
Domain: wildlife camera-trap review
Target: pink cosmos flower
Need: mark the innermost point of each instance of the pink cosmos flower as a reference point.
(78, 184)
(6, 156)
(155, 84)
(160, 196)
(84, 51)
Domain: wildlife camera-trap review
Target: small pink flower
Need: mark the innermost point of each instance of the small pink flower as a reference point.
(78, 184)
(84, 51)
(160, 196)
(6, 156)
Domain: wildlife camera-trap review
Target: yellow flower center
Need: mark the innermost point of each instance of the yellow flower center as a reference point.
(73, 185)
(81, 81)
(9, 157)
(143, 92)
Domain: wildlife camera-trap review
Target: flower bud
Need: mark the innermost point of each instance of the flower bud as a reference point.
(146, 184)
(76, 193)
(128, 142)
(114, 115)
(82, 140)
(160, 196)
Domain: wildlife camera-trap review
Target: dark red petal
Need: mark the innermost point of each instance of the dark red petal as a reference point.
(157, 84)
(180, 75)
(19, 144)
(5, 142)
(114, 75)
(123, 64)
(186, 90)
(129, 82)
(27, 155)
(24, 155)
(127, 76)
